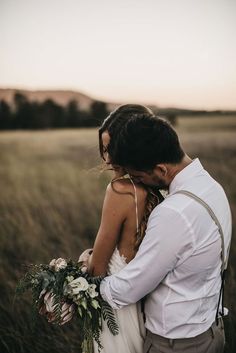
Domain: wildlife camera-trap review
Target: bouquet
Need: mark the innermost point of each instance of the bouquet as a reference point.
(62, 290)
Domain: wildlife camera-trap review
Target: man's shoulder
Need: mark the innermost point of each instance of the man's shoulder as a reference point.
(170, 207)
(174, 202)
(176, 206)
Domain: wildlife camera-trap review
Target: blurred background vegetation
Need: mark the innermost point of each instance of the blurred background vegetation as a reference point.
(42, 110)
(52, 189)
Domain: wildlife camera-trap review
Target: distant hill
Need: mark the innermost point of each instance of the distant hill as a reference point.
(84, 101)
(59, 96)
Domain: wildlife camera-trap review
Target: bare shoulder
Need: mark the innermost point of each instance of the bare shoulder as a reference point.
(125, 187)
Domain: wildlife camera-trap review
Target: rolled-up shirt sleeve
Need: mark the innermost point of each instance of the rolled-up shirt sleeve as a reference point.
(168, 240)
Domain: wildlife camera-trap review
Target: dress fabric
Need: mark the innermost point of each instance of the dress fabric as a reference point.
(130, 320)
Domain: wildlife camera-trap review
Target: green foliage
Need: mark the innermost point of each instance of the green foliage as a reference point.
(108, 315)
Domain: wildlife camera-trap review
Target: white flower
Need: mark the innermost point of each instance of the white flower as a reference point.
(58, 264)
(91, 291)
(75, 287)
(74, 290)
(80, 284)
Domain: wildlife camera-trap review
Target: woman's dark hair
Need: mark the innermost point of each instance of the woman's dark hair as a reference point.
(117, 118)
(144, 141)
(113, 124)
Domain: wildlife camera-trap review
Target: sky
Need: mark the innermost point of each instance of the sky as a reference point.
(178, 53)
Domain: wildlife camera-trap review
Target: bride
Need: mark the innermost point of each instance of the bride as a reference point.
(127, 206)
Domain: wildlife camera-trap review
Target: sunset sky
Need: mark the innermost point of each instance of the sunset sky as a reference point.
(171, 53)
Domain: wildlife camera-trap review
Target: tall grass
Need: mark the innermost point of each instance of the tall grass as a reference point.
(51, 193)
(51, 196)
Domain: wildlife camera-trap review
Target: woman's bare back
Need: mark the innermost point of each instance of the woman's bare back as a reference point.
(124, 203)
(127, 237)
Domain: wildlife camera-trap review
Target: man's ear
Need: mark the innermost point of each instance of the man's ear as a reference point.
(161, 170)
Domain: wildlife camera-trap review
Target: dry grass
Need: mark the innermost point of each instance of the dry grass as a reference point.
(51, 196)
(207, 123)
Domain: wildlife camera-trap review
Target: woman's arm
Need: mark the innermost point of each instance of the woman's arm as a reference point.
(115, 210)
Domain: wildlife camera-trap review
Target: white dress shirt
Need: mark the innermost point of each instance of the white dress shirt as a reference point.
(178, 264)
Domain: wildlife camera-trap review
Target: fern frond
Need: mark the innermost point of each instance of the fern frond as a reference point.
(109, 316)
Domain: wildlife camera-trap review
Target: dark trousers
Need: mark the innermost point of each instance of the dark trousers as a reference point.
(210, 341)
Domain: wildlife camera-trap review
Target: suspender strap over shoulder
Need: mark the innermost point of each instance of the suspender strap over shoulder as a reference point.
(224, 255)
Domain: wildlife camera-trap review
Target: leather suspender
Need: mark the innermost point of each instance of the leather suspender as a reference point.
(224, 254)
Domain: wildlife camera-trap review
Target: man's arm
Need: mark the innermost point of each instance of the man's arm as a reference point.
(168, 240)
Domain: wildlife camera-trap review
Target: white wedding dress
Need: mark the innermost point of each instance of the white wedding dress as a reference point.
(129, 318)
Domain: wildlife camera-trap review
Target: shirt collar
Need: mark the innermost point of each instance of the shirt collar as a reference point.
(185, 174)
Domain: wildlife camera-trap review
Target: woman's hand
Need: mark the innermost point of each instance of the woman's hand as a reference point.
(84, 258)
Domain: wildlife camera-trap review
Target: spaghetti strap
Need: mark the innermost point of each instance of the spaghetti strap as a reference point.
(136, 204)
(135, 197)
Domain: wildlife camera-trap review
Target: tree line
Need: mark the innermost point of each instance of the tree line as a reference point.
(24, 114)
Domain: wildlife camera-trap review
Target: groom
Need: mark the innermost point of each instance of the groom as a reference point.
(178, 265)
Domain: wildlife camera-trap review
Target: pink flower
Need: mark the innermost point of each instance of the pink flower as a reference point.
(47, 308)
(67, 312)
(49, 302)
(52, 263)
(58, 264)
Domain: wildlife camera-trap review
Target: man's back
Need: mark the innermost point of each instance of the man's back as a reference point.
(184, 304)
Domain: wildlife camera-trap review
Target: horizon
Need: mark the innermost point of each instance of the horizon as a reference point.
(113, 102)
(155, 53)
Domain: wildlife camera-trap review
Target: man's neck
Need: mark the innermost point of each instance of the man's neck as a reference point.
(175, 169)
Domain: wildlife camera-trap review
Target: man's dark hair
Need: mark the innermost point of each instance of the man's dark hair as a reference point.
(144, 141)
(117, 118)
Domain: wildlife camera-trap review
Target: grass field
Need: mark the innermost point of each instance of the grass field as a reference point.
(51, 191)
(206, 123)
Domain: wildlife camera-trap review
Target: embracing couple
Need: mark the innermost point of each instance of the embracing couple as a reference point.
(164, 258)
